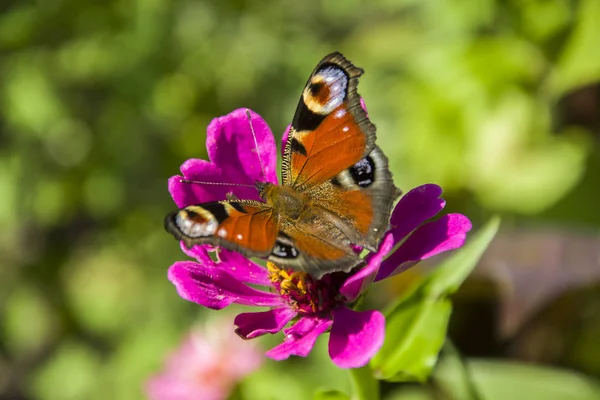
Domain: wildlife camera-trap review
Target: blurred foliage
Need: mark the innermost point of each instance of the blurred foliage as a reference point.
(497, 101)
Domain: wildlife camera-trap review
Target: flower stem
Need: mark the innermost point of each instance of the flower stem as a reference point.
(366, 387)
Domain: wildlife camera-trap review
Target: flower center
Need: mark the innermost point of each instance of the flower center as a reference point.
(306, 294)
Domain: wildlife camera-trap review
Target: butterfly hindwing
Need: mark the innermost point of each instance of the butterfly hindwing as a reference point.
(360, 199)
(249, 227)
(314, 245)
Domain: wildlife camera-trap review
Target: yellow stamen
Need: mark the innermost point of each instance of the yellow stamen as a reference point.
(288, 282)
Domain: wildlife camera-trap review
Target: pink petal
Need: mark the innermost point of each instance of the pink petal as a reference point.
(251, 325)
(300, 338)
(414, 208)
(234, 159)
(358, 282)
(364, 106)
(447, 233)
(185, 194)
(175, 388)
(243, 269)
(233, 262)
(212, 287)
(355, 337)
(231, 145)
(199, 252)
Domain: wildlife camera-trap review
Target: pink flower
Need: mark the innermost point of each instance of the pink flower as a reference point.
(310, 306)
(207, 365)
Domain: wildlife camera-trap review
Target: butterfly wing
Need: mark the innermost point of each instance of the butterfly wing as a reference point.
(359, 199)
(330, 131)
(248, 227)
(313, 244)
(331, 156)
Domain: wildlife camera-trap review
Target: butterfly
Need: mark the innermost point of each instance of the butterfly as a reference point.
(337, 191)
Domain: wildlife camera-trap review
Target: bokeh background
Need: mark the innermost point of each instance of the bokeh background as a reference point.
(100, 102)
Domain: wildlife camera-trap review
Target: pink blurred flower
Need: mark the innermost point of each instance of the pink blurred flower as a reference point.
(207, 365)
(311, 306)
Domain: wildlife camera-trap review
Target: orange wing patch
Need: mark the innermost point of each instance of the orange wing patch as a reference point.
(338, 142)
(253, 228)
(355, 206)
(317, 248)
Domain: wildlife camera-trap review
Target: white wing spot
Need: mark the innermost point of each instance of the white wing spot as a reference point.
(196, 229)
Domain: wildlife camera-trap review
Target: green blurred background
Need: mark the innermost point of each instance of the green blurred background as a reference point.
(496, 101)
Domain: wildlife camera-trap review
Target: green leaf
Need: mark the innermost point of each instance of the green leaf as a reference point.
(365, 386)
(415, 332)
(331, 395)
(500, 380)
(579, 63)
(416, 325)
(411, 393)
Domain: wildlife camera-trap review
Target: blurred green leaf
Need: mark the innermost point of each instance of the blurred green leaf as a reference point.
(29, 322)
(410, 393)
(105, 289)
(71, 374)
(17, 26)
(416, 325)
(544, 168)
(501, 380)
(364, 384)
(543, 19)
(331, 395)
(104, 193)
(579, 63)
(415, 332)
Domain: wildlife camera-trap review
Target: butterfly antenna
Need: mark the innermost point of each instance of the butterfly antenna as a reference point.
(216, 183)
(262, 168)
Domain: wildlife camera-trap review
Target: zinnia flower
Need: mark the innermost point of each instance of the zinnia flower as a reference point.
(207, 365)
(311, 307)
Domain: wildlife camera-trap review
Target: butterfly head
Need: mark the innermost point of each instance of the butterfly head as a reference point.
(262, 188)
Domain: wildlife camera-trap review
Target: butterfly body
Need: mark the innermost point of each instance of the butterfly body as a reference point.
(336, 192)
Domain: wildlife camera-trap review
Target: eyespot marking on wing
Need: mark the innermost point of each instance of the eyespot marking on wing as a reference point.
(196, 222)
(363, 172)
(283, 250)
(326, 90)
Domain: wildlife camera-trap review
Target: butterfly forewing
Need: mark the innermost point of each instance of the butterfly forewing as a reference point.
(249, 227)
(330, 131)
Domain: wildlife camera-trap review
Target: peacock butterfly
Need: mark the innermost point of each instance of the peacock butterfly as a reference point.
(336, 192)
